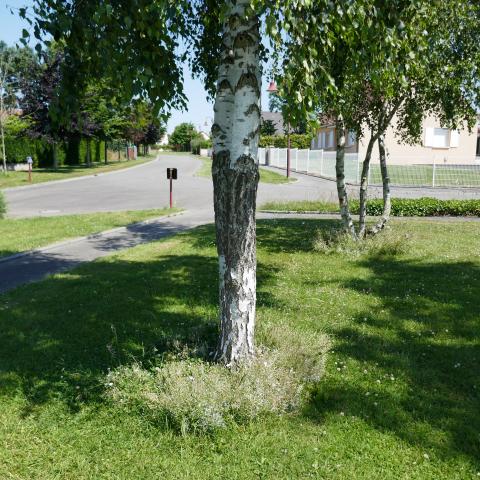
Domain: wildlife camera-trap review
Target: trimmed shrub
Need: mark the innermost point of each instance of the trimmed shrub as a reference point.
(422, 207)
(73, 152)
(193, 395)
(198, 143)
(281, 141)
(3, 206)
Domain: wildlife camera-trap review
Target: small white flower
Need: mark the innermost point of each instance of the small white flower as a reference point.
(342, 414)
(365, 371)
(367, 394)
(425, 456)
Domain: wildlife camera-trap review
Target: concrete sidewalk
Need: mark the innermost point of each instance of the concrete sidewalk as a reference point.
(37, 264)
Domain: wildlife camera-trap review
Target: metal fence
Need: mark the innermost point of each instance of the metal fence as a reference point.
(320, 162)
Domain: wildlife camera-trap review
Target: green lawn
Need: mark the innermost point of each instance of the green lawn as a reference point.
(266, 176)
(400, 399)
(445, 175)
(40, 175)
(18, 235)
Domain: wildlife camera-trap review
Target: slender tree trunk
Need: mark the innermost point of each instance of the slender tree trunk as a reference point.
(387, 201)
(89, 158)
(364, 187)
(340, 171)
(106, 152)
(55, 156)
(235, 180)
(2, 133)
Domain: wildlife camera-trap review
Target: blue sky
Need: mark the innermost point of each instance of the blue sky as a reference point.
(198, 110)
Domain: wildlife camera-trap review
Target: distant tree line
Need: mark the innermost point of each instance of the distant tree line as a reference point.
(97, 121)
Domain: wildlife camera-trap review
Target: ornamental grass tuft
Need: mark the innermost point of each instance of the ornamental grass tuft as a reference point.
(192, 395)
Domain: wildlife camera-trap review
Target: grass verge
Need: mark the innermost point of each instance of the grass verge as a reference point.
(266, 176)
(19, 235)
(399, 399)
(41, 175)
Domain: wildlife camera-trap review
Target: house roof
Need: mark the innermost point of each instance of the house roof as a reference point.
(277, 119)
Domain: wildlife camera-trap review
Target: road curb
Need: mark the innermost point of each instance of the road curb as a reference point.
(72, 241)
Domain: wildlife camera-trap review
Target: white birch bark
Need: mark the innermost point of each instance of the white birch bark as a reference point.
(387, 200)
(364, 187)
(340, 172)
(3, 113)
(235, 178)
(2, 133)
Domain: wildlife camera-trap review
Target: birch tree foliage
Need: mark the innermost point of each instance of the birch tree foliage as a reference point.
(407, 58)
(132, 43)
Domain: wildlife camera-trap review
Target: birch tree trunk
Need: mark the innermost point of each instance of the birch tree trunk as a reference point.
(3, 115)
(235, 135)
(387, 201)
(2, 133)
(340, 171)
(364, 187)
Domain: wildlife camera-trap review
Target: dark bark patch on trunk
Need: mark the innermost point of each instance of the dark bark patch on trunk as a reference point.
(248, 79)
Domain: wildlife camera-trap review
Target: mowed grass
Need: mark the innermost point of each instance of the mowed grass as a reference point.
(266, 176)
(445, 175)
(400, 399)
(41, 175)
(18, 235)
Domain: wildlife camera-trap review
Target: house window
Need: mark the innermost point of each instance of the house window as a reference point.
(441, 137)
(351, 139)
(322, 140)
(330, 139)
(437, 137)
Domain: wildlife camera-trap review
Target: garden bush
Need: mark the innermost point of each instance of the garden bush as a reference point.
(281, 141)
(73, 152)
(422, 207)
(194, 395)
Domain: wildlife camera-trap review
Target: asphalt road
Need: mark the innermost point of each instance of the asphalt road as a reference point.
(145, 187)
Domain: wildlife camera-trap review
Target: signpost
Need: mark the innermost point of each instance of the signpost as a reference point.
(30, 163)
(171, 175)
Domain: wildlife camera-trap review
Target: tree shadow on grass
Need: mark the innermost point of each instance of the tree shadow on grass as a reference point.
(424, 331)
(291, 235)
(60, 336)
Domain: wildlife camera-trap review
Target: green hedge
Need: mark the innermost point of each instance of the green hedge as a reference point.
(3, 206)
(423, 207)
(73, 152)
(281, 141)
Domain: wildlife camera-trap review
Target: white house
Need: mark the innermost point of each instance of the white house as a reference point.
(439, 145)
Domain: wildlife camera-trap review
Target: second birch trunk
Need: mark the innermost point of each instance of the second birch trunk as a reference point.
(364, 188)
(387, 200)
(340, 172)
